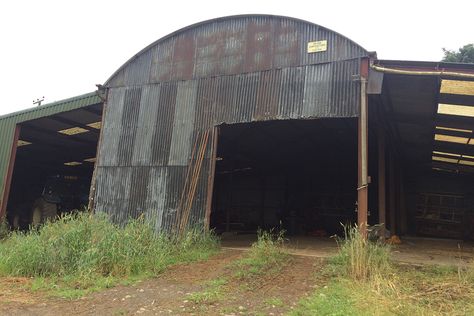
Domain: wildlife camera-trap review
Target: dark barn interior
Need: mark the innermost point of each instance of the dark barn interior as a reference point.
(426, 123)
(296, 175)
(54, 153)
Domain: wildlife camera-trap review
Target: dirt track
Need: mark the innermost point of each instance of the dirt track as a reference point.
(169, 293)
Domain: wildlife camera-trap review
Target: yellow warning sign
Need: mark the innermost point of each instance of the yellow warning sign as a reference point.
(317, 46)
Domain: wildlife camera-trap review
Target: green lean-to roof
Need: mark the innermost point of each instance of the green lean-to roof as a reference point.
(9, 121)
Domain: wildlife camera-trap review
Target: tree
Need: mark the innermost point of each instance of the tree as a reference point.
(465, 54)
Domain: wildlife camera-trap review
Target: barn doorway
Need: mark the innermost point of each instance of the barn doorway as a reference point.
(55, 159)
(295, 175)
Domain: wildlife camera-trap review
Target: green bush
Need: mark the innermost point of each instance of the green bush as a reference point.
(88, 245)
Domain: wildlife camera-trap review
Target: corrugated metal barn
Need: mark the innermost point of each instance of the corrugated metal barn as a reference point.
(262, 121)
(164, 104)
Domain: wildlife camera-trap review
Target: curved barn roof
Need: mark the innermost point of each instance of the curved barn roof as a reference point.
(230, 45)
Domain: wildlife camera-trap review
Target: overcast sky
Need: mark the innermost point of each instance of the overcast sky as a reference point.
(60, 49)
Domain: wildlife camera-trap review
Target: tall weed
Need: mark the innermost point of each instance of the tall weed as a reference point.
(361, 258)
(4, 230)
(85, 244)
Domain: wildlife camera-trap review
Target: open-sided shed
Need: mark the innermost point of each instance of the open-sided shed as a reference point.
(45, 141)
(423, 122)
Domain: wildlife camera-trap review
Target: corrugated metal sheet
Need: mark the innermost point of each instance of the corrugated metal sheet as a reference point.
(233, 45)
(8, 123)
(183, 124)
(230, 70)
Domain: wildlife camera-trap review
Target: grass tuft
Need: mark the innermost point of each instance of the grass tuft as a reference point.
(266, 256)
(360, 258)
(211, 294)
(274, 302)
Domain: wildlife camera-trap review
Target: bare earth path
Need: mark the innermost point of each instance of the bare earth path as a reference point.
(168, 294)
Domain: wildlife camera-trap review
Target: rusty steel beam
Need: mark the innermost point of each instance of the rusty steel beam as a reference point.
(381, 183)
(9, 175)
(362, 149)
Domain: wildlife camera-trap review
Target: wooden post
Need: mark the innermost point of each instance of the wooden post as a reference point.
(9, 175)
(381, 183)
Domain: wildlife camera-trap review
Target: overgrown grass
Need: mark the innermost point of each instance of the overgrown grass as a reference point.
(4, 231)
(266, 256)
(409, 291)
(360, 258)
(88, 251)
(362, 280)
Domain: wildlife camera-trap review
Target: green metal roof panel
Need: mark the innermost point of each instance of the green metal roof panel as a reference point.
(9, 121)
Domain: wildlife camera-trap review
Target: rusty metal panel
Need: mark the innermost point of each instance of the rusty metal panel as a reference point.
(183, 56)
(183, 124)
(331, 90)
(311, 33)
(118, 80)
(226, 96)
(286, 44)
(316, 90)
(210, 41)
(198, 208)
(175, 178)
(267, 96)
(137, 200)
(130, 192)
(232, 59)
(162, 61)
(345, 89)
(205, 102)
(113, 186)
(146, 123)
(112, 127)
(291, 93)
(338, 47)
(156, 196)
(162, 132)
(139, 71)
(259, 45)
(234, 45)
(128, 125)
(246, 96)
